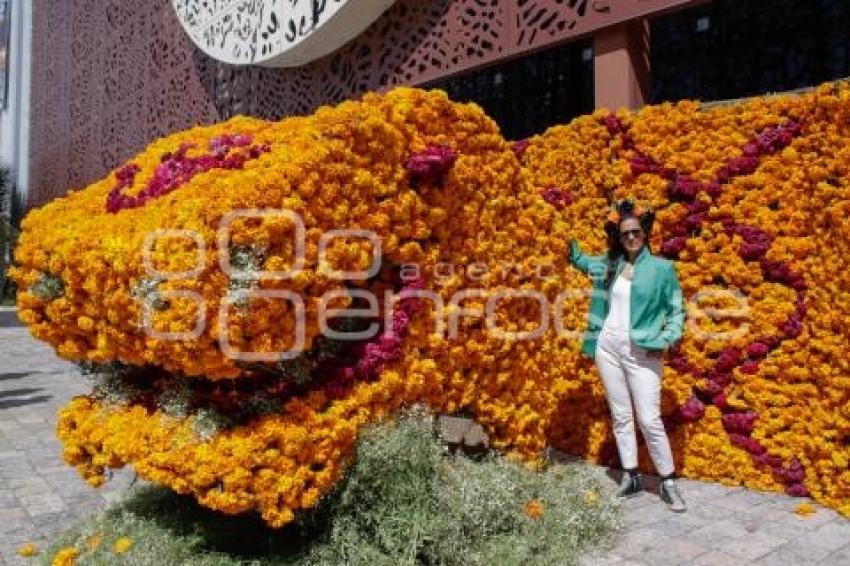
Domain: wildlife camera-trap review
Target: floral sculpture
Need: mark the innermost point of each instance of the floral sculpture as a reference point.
(219, 377)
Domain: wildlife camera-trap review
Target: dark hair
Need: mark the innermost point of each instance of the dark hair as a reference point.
(625, 210)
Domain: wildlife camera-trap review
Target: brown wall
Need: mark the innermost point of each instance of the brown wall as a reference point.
(108, 76)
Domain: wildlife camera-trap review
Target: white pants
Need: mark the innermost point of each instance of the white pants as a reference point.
(629, 373)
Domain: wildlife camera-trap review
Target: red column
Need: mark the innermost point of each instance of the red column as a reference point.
(621, 65)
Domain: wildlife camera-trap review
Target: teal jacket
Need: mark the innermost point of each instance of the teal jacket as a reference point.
(657, 308)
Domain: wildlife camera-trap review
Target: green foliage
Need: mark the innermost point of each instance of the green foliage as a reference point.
(174, 401)
(258, 405)
(296, 370)
(209, 422)
(113, 382)
(403, 501)
(247, 261)
(407, 502)
(146, 290)
(11, 209)
(48, 286)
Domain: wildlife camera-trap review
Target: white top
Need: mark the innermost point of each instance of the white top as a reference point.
(618, 318)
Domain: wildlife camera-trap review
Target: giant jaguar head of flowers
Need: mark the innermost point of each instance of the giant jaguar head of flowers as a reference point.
(213, 284)
(247, 296)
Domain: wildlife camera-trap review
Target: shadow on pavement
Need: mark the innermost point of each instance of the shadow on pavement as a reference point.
(19, 392)
(15, 375)
(22, 397)
(9, 318)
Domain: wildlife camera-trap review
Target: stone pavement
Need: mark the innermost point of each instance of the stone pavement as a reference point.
(726, 526)
(39, 494)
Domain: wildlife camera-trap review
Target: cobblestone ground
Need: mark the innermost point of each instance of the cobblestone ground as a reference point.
(725, 526)
(39, 494)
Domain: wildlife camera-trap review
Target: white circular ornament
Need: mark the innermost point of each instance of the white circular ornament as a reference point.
(275, 33)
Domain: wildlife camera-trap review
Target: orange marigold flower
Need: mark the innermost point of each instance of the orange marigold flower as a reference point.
(805, 509)
(591, 497)
(27, 550)
(122, 545)
(66, 557)
(534, 509)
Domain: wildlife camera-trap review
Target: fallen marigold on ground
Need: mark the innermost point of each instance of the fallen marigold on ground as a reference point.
(122, 545)
(534, 509)
(804, 509)
(27, 550)
(66, 557)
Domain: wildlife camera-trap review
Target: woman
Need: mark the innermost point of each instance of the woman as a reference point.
(637, 305)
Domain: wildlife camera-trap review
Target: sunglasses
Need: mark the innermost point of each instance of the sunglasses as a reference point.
(637, 233)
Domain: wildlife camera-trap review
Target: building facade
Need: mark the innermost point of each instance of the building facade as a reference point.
(15, 94)
(109, 76)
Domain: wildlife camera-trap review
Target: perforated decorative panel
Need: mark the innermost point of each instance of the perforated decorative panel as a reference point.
(108, 76)
(275, 33)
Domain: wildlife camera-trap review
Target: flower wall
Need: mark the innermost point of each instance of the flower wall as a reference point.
(752, 204)
(751, 199)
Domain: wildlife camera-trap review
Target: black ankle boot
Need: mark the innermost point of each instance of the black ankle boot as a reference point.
(630, 485)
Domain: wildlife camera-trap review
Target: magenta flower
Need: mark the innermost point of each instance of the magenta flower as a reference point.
(750, 367)
(683, 188)
(519, 147)
(719, 401)
(722, 377)
(778, 138)
(680, 363)
(739, 422)
(694, 221)
(673, 246)
(698, 207)
(680, 228)
(780, 272)
(713, 189)
(752, 234)
(792, 473)
(614, 124)
(371, 356)
(641, 164)
(800, 305)
(390, 347)
(432, 164)
(127, 173)
(753, 447)
(797, 490)
(713, 387)
(753, 252)
(751, 149)
(691, 411)
(765, 459)
(756, 448)
(728, 359)
(557, 197)
(336, 389)
(757, 350)
(176, 169)
(793, 327)
(400, 320)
